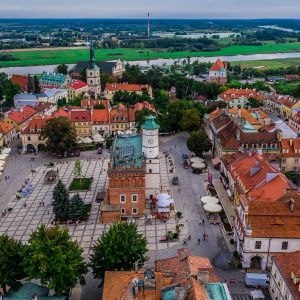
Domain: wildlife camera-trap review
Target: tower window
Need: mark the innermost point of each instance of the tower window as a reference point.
(91, 73)
(150, 170)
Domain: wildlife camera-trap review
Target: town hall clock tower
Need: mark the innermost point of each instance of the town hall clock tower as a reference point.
(150, 149)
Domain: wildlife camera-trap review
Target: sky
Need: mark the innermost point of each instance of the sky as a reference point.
(176, 9)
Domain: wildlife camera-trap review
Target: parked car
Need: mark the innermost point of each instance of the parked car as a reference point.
(184, 156)
(77, 152)
(256, 280)
(175, 181)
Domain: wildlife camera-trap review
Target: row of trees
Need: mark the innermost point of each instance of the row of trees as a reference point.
(51, 257)
(7, 91)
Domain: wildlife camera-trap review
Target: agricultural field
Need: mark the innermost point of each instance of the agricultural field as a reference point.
(50, 57)
(268, 64)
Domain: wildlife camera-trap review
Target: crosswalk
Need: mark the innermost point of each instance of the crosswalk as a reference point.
(240, 297)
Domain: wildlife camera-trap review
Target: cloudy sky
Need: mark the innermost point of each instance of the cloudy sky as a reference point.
(158, 8)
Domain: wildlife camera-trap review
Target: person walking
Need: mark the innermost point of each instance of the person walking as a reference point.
(199, 240)
(204, 235)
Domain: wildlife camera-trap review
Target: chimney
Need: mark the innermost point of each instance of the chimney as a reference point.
(203, 276)
(292, 204)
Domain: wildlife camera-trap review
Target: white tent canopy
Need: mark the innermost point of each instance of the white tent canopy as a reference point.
(6, 150)
(163, 203)
(198, 165)
(163, 196)
(79, 140)
(3, 156)
(209, 199)
(98, 138)
(197, 160)
(2, 163)
(213, 207)
(87, 140)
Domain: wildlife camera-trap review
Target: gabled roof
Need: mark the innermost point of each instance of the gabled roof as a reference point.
(217, 66)
(100, 116)
(292, 146)
(77, 84)
(35, 125)
(232, 94)
(61, 113)
(5, 128)
(81, 116)
(21, 116)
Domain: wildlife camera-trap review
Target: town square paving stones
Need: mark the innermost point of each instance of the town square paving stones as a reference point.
(28, 213)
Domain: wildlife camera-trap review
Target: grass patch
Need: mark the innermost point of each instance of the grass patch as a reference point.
(84, 186)
(49, 57)
(286, 88)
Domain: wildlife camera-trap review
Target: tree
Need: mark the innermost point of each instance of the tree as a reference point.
(120, 248)
(36, 85)
(10, 262)
(254, 103)
(62, 69)
(60, 135)
(190, 120)
(106, 78)
(77, 209)
(78, 170)
(198, 142)
(30, 87)
(60, 201)
(53, 258)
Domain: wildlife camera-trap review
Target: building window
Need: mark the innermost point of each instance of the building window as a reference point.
(134, 210)
(28, 138)
(258, 245)
(150, 170)
(284, 245)
(123, 211)
(122, 198)
(296, 160)
(284, 160)
(134, 198)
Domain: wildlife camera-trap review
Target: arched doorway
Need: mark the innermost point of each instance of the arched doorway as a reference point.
(41, 147)
(30, 148)
(255, 262)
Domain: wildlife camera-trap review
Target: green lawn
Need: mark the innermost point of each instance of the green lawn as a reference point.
(268, 64)
(84, 186)
(49, 57)
(286, 88)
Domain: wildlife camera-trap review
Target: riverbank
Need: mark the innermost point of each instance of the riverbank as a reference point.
(71, 56)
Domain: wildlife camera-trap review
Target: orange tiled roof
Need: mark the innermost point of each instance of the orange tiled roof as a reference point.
(5, 128)
(100, 116)
(23, 115)
(35, 125)
(288, 263)
(292, 146)
(119, 116)
(126, 87)
(232, 94)
(61, 113)
(91, 103)
(217, 66)
(81, 116)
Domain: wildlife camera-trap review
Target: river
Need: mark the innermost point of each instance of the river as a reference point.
(159, 62)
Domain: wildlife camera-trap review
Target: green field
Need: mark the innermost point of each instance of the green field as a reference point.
(268, 64)
(52, 57)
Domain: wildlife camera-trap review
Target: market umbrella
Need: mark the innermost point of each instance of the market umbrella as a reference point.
(198, 165)
(98, 138)
(197, 160)
(163, 203)
(79, 140)
(3, 156)
(6, 150)
(87, 140)
(163, 196)
(213, 207)
(209, 199)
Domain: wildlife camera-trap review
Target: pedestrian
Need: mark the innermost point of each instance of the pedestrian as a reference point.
(43, 203)
(24, 204)
(203, 221)
(5, 177)
(199, 241)
(204, 236)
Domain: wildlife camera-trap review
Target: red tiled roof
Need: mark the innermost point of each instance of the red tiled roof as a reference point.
(292, 145)
(5, 128)
(77, 84)
(91, 103)
(126, 87)
(232, 94)
(100, 116)
(20, 80)
(81, 116)
(35, 125)
(217, 66)
(61, 113)
(21, 116)
(288, 263)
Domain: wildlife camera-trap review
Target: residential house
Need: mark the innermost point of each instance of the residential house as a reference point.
(82, 120)
(31, 135)
(21, 81)
(218, 72)
(112, 88)
(287, 106)
(285, 276)
(294, 120)
(290, 155)
(185, 277)
(272, 102)
(45, 109)
(89, 104)
(76, 88)
(239, 97)
(119, 119)
(52, 80)
(100, 122)
(19, 119)
(8, 133)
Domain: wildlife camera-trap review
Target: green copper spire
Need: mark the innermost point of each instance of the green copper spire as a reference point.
(150, 123)
(92, 56)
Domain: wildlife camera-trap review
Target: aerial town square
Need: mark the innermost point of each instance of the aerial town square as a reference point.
(150, 150)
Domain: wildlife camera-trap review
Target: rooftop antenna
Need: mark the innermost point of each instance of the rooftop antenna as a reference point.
(148, 26)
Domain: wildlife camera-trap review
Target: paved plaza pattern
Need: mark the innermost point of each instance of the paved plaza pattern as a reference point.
(28, 214)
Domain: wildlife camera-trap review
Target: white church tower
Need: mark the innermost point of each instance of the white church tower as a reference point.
(93, 75)
(150, 149)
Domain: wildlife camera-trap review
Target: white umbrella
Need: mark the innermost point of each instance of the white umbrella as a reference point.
(213, 207)
(197, 160)
(87, 140)
(163, 203)
(2, 162)
(198, 165)
(3, 156)
(209, 199)
(79, 140)
(163, 196)
(6, 150)
(1, 168)
(98, 138)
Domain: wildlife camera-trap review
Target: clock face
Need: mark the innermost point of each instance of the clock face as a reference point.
(150, 141)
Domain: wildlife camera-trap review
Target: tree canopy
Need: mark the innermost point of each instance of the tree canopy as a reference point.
(53, 258)
(60, 134)
(62, 69)
(11, 269)
(198, 142)
(120, 248)
(190, 120)
(60, 201)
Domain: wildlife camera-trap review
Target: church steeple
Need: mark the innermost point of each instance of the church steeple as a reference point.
(92, 56)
